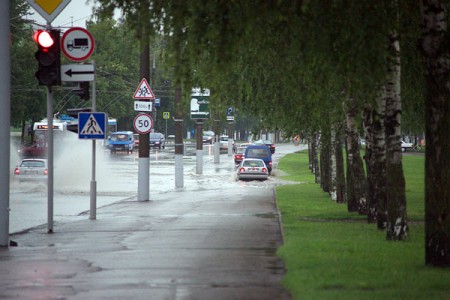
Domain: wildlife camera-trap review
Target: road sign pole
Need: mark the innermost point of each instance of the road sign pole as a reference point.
(50, 160)
(93, 192)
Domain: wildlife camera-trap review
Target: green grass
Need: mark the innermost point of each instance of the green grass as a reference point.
(332, 254)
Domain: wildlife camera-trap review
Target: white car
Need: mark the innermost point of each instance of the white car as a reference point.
(31, 169)
(223, 140)
(252, 168)
(406, 146)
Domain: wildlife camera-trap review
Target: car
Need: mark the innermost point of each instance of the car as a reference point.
(252, 168)
(406, 146)
(121, 141)
(136, 140)
(239, 155)
(157, 140)
(268, 143)
(223, 141)
(208, 137)
(35, 150)
(261, 152)
(31, 169)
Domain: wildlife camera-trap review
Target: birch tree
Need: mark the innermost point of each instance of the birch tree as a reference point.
(397, 227)
(436, 56)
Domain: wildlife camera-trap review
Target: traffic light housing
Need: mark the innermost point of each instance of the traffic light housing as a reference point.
(48, 56)
(83, 90)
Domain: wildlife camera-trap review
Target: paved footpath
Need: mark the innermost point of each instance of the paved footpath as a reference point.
(200, 244)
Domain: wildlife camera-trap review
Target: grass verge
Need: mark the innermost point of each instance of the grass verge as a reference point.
(330, 253)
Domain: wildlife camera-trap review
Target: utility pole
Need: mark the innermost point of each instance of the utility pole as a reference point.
(5, 120)
(144, 139)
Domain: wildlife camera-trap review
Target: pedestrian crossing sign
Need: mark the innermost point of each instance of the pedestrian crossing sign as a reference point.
(91, 125)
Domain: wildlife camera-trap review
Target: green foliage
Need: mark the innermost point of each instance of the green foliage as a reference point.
(332, 254)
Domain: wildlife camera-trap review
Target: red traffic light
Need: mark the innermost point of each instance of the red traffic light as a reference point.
(43, 38)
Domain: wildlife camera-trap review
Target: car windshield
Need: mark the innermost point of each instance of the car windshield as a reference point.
(155, 135)
(253, 163)
(224, 138)
(240, 150)
(257, 152)
(119, 137)
(33, 164)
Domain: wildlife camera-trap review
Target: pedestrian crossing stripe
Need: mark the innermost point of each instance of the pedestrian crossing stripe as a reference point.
(92, 126)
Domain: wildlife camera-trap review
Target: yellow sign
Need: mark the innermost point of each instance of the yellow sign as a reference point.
(48, 9)
(166, 115)
(48, 5)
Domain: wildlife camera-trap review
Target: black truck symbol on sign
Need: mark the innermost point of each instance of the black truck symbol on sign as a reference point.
(80, 43)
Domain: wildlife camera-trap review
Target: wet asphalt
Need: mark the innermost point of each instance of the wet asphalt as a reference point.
(182, 244)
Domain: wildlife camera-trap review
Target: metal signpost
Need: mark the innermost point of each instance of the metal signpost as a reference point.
(199, 112)
(230, 119)
(166, 116)
(77, 44)
(47, 74)
(92, 125)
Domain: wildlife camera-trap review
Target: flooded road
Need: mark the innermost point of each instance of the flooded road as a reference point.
(116, 177)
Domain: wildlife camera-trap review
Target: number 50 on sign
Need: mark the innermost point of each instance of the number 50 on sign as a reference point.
(143, 123)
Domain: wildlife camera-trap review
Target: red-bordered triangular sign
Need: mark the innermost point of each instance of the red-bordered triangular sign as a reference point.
(143, 91)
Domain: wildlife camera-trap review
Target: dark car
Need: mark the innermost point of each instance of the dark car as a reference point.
(34, 150)
(208, 137)
(268, 143)
(157, 140)
(261, 152)
(239, 155)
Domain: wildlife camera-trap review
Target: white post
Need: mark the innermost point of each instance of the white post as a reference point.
(5, 120)
(93, 202)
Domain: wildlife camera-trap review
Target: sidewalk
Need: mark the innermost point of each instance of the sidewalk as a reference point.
(186, 244)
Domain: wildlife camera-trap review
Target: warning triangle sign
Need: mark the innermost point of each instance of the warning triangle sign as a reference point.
(144, 91)
(91, 126)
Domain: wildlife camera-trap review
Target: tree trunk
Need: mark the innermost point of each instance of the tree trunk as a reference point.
(435, 51)
(333, 166)
(310, 154)
(376, 162)
(356, 198)
(315, 157)
(325, 160)
(340, 170)
(397, 227)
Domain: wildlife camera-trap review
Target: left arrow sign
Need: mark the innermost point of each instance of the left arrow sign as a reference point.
(75, 72)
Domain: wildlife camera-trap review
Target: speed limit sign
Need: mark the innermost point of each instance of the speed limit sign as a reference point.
(143, 123)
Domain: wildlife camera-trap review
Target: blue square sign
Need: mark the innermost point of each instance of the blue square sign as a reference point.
(91, 125)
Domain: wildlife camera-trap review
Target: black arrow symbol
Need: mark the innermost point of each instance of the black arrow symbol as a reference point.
(70, 72)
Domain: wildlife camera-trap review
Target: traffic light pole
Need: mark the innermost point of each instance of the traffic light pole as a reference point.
(50, 159)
